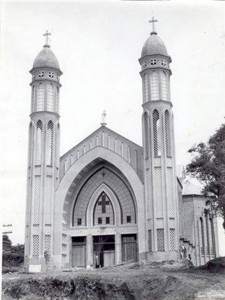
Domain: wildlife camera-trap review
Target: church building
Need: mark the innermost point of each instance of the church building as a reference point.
(108, 200)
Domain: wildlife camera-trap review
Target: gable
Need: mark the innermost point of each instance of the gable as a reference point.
(104, 137)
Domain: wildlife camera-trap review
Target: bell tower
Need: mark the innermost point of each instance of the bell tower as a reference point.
(161, 196)
(43, 158)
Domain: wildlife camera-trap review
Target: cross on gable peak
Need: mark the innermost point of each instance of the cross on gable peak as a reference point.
(103, 123)
(153, 21)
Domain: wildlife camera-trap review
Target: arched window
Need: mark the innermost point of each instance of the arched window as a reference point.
(207, 234)
(57, 145)
(40, 97)
(103, 211)
(146, 135)
(50, 97)
(156, 133)
(154, 83)
(49, 143)
(202, 237)
(167, 134)
(213, 237)
(31, 139)
(38, 145)
(145, 91)
(164, 86)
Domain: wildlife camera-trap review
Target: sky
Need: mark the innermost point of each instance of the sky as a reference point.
(98, 45)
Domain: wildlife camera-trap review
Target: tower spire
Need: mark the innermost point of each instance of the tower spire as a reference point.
(153, 21)
(46, 34)
(44, 133)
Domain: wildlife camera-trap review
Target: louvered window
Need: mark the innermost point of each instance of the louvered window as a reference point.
(156, 133)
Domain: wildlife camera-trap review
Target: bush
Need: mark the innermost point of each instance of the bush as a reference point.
(12, 256)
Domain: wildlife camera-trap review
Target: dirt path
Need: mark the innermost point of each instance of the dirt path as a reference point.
(134, 281)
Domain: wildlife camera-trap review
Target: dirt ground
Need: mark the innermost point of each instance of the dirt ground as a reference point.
(165, 280)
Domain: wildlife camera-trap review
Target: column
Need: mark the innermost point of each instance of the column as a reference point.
(118, 249)
(89, 251)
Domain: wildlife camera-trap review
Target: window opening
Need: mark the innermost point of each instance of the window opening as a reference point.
(154, 83)
(51, 74)
(146, 132)
(38, 148)
(202, 236)
(128, 219)
(145, 87)
(156, 133)
(167, 134)
(50, 97)
(164, 86)
(103, 210)
(41, 74)
(49, 143)
(40, 97)
(160, 240)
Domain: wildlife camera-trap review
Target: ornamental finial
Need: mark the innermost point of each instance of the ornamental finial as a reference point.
(46, 34)
(103, 118)
(153, 21)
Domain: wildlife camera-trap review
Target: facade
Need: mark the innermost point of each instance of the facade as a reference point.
(107, 200)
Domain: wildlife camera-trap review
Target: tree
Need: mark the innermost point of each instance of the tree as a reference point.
(12, 256)
(208, 165)
(6, 242)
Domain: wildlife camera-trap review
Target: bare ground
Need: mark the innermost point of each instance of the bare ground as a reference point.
(166, 280)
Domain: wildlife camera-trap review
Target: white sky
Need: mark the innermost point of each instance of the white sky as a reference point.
(98, 45)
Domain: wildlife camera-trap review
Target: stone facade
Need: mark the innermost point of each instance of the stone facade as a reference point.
(108, 200)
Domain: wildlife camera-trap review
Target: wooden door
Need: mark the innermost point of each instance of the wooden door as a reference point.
(78, 252)
(109, 258)
(129, 248)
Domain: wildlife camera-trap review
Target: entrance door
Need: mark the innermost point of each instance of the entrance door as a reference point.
(129, 247)
(104, 250)
(79, 251)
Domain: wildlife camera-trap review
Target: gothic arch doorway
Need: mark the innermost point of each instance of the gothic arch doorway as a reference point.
(103, 212)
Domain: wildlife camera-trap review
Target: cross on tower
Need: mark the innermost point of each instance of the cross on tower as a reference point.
(103, 203)
(153, 21)
(46, 34)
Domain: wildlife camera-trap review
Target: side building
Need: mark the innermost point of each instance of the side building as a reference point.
(198, 224)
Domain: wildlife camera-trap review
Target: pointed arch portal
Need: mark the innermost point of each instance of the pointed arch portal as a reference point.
(100, 213)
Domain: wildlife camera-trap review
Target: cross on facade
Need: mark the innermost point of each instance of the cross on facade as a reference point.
(103, 203)
(46, 34)
(153, 21)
